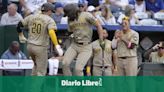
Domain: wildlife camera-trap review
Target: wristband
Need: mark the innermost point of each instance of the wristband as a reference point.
(129, 45)
(88, 69)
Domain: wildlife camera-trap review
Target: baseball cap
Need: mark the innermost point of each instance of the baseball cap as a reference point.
(58, 5)
(47, 7)
(91, 8)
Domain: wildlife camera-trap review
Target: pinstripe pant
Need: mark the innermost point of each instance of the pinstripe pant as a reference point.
(82, 53)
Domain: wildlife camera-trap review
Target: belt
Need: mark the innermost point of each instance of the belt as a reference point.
(127, 57)
(83, 43)
(123, 57)
(104, 67)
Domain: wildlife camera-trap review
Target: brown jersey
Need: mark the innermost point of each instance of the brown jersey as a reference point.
(98, 53)
(82, 27)
(122, 50)
(155, 58)
(38, 26)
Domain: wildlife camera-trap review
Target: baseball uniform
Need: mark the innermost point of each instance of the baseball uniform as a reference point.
(38, 40)
(127, 57)
(102, 59)
(155, 58)
(80, 47)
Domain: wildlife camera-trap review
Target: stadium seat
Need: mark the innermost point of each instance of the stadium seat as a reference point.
(148, 22)
(142, 15)
(159, 16)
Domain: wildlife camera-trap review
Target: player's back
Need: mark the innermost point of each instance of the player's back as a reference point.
(38, 26)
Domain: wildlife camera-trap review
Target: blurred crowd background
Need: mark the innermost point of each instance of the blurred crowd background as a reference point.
(109, 12)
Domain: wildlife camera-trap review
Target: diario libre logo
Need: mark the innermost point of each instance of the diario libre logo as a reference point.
(86, 82)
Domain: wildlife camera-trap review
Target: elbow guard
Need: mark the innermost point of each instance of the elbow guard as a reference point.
(19, 27)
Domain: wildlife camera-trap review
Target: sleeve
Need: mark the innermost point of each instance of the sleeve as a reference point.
(4, 56)
(3, 22)
(135, 38)
(100, 19)
(52, 25)
(114, 44)
(90, 19)
(26, 20)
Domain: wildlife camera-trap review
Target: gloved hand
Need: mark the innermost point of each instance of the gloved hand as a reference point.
(22, 39)
(59, 50)
(155, 47)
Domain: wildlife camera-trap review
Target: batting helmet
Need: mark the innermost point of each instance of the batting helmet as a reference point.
(47, 6)
(71, 10)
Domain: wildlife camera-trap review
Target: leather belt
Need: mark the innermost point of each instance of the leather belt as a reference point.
(123, 57)
(104, 67)
(83, 43)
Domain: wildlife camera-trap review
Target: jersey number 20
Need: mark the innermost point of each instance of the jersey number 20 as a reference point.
(36, 28)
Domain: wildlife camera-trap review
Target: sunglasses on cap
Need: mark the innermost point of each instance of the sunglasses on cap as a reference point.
(126, 18)
(161, 48)
(80, 5)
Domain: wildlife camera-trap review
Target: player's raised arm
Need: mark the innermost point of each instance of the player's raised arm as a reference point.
(99, 29)
(47, 9)
(94, 21)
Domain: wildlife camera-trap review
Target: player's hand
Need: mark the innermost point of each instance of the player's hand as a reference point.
(22, 39)
(59, 50)
(118, 35)
(155, 47)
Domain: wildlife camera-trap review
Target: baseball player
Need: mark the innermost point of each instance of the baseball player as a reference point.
(156, 54)
(40, 27)
(125, 41)
(104, 58)
(80, 24)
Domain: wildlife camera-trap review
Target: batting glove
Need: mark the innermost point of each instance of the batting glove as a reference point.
(22, 39)
(59, 50)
